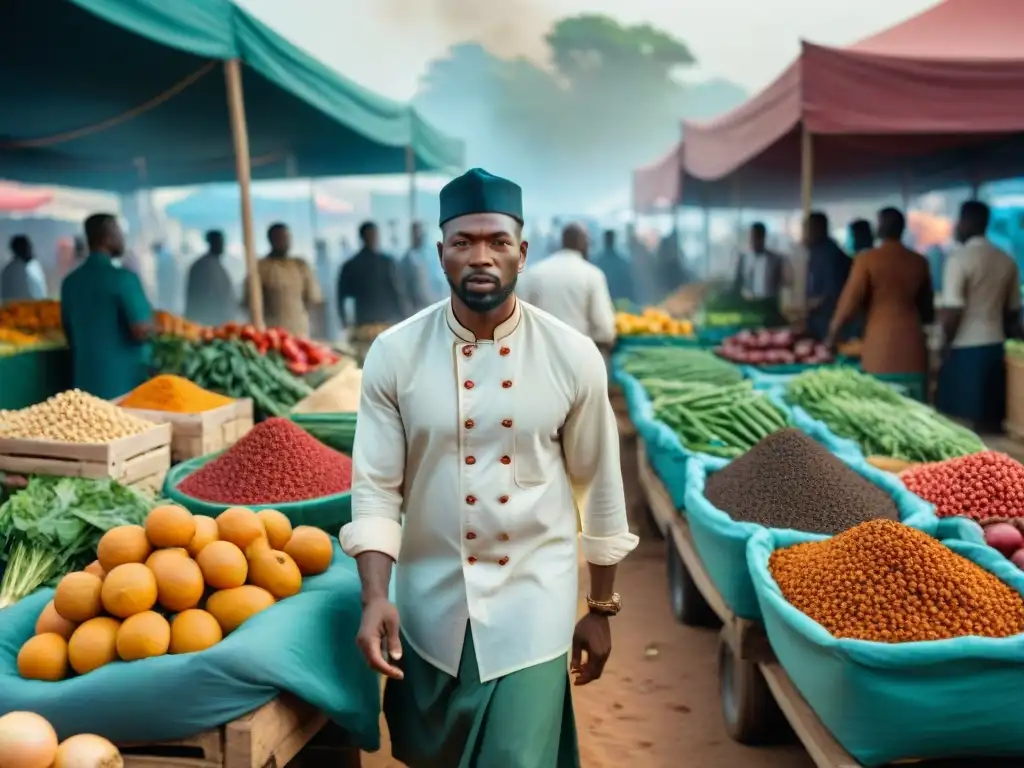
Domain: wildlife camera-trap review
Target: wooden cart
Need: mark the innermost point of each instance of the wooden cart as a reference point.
(269, 737)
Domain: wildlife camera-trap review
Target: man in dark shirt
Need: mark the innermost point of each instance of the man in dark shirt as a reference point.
(371, 279)
(828, 268)
(617, 270)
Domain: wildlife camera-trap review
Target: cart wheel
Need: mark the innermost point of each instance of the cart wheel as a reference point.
(751, 715)
(688, 604)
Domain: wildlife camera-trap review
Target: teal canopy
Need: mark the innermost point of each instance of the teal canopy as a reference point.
(120, 94)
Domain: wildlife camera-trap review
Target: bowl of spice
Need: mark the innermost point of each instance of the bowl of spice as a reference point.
(786, 481)
(885, 627)
(277, 465)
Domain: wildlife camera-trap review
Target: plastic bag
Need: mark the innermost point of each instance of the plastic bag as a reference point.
(721, 541)
(304, 645)
(884, 702)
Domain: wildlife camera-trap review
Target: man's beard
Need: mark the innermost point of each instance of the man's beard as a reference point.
(477, 301)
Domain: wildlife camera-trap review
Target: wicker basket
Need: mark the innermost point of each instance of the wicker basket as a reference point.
(1014, 424)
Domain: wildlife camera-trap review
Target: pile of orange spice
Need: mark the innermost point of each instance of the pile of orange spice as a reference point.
(174, 394)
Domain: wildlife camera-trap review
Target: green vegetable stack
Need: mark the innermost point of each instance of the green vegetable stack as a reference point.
(658, 367)
(52, 527)
(858, 407)
(724, 421)
(234, 368)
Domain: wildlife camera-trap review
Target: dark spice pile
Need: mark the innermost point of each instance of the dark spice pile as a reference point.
(276, 462)
(790, 481)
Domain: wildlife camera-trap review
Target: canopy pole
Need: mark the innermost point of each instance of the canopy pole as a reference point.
(707, 242)
(806, 170)
(410, 169)
(314, 213)
(240, 137)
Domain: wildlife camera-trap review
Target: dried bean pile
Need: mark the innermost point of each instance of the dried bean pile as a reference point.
(276, 462)
(790, 481)
(979, 486)
(886, 582)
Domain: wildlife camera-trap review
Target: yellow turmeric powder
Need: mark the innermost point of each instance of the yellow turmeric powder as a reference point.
(174, 394)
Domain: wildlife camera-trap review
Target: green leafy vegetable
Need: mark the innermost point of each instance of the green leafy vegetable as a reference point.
(52, 527)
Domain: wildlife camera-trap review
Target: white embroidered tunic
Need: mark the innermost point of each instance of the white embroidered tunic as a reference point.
(481, 445)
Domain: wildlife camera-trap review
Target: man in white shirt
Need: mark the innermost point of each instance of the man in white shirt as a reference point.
(980, 308)
(572, 289)
(23, 277)
(479, 418)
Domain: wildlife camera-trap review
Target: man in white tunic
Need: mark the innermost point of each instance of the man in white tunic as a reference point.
(480, 416)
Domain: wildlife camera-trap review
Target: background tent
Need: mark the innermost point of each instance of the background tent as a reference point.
(656, 186)
(119, 94)
(929, 103)
(217, 207)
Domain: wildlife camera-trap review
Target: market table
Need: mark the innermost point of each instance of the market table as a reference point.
(30, 377)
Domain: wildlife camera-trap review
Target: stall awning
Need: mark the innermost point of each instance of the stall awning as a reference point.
(117, 94)
(656, 186)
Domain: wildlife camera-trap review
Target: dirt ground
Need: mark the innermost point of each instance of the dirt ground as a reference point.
(657, 705)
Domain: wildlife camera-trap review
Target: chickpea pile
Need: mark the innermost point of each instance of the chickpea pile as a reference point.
(71, 417)
(885, 582)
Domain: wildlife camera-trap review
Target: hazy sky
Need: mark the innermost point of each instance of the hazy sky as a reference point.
(384, 44)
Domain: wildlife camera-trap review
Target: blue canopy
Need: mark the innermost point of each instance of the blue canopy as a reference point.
(213, 207)
(120, 94)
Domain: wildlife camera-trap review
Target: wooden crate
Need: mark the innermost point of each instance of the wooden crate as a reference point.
(198, 434)
(269, 737)
(139, 461)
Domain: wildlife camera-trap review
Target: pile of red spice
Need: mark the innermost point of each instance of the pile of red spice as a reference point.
(277, 461)
(979, 486)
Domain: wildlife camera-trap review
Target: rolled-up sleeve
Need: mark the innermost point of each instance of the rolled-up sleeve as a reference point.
(590, 441)
(378, 458)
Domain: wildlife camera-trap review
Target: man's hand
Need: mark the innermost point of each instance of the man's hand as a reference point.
(379, 629)
(593, 636)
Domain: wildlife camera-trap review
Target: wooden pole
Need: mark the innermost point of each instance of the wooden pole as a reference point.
(410, 169)
(806, 170)
(707, 242)
(240, 136)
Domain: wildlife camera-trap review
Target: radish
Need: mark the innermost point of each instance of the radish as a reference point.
(1004, 538)
(1018, 559)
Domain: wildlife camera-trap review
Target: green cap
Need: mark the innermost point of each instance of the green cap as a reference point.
(477, 191)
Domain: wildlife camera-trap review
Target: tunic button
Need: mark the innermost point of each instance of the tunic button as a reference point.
(470, 460)
(470, 560)
(506, 460)
(470, 535)
(506, 384)
(467, 350)
(504, 537)
(503, 561)
(503, 499)
(471, 499)
(469, 424)
(504, 351)
(469, 385)
(507, 423)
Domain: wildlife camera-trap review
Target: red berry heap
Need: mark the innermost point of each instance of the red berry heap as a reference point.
(978, 486)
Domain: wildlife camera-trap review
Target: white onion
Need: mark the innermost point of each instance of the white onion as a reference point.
(87, 751)
(26, 741)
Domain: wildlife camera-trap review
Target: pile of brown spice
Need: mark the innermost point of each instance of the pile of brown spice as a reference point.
(788, 480)
(886, 582)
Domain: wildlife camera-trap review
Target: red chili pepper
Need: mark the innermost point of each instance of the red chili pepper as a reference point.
(299, 368)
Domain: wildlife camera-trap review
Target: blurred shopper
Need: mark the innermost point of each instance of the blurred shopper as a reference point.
(168, 278)
(759, 272)
(891, 285)
(372, 281)
(106, 316)
(209, 296)
(23, 277)
(617, 271)
(980, 308)
(828, 268)
(420, 272)
(641, 264)
(572, 289)
(862, 238)
(668, 267)
(290, 288)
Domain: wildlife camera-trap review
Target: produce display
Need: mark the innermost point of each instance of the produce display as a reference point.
(54, 525)
(167, 324)
(979, 486)
(652, 322)
(788, 480)
(38, 317)
(300, 355)
(72, 417)
(773, 347)
(654, 366)
(176, 394)
(276, 462)
(28, 740)
(235, 369)
(861, 408)
(885, 582)
(147, 593)
(1014, 347)
(729, 309)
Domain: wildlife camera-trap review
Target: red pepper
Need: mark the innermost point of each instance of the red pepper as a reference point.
(262, 346)
(248, 333)
(291, 351)
(299, 368)
(273, 337)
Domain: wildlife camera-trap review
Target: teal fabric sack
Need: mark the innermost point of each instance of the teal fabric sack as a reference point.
(885, 702)
(326, 512)
(632, 342)
(304, 645)
(721, 541)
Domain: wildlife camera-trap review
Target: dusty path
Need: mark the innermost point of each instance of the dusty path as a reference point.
(656, 708)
